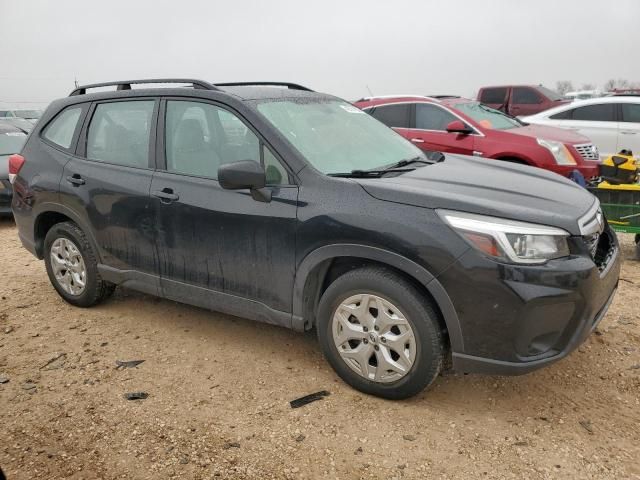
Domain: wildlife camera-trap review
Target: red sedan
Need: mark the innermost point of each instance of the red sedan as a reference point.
(460, 125)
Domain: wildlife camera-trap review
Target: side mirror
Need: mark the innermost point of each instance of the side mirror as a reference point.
(245, 175)
(458, 126)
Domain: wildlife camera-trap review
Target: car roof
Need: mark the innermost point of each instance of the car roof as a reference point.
(389, 99)
(585, 102)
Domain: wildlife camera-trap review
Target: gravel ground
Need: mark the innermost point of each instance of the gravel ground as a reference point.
(219, 389)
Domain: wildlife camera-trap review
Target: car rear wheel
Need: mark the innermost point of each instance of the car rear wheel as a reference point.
(380, 333)
(72, 266)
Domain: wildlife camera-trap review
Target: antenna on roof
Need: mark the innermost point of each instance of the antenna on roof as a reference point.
(75, 81)
(369, 90)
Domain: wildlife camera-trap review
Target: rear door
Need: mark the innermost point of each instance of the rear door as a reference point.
(494, 97)
(107, 184)
(629, 133)
(598, 122)
(525, 101)
(429, 130)
(221, 249)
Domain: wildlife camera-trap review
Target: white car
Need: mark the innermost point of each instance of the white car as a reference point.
(612, 123)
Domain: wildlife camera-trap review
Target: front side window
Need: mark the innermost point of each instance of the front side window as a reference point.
(119, 133)
(334, 136)
(631, 112)
(603, 112)
(60, 131)
(493, 95)
(487, 117)
(525, 96)
(199, 137)
(430, 117)
(392, 115)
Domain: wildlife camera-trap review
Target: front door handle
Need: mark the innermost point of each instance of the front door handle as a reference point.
(417, 140)
(75, 179)
(628, 132)
(166, 195)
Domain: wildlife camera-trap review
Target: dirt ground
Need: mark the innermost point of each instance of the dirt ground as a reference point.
(219, 390)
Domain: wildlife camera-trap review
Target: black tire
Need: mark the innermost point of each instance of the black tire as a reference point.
(417, 309)
(96, 289)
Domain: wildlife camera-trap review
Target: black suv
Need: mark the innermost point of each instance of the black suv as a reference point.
(287, 206)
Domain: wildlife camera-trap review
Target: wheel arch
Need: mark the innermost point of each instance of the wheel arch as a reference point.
(49, 215)
(313, 276)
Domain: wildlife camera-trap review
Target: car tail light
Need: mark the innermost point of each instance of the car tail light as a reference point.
(15, 164)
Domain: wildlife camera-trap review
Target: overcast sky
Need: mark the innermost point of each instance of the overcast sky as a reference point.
(335, 46)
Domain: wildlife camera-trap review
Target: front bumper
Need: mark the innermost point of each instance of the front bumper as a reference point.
(516, 319)
(6, 193)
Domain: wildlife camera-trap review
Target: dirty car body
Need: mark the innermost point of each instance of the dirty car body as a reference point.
(272, 251)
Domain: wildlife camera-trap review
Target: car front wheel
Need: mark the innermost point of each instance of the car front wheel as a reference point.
(380, 333)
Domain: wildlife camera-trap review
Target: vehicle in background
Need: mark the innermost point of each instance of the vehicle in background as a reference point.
(31, 115)
(612, 123)
(460, 125)
(517, 100)
(11, 141)
(21, 123)
(582, 95)
(293, 207)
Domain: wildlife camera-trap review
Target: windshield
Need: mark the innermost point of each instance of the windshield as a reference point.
(28, 113)
(335, 136)
(550, 94)
(487, 117)
(11, 142)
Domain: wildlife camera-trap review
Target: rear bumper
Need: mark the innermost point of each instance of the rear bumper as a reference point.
(6, 193)
(518, 319)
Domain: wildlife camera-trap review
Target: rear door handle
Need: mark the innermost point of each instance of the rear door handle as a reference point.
(75, 179)
(166, 195)
(627, 132)
(417, 140)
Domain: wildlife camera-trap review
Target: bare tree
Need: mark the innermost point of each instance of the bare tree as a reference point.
(620, 83)
(588, 86)
(563, 86)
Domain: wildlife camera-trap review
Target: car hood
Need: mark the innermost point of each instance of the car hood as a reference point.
(488, 187)
(550, 133)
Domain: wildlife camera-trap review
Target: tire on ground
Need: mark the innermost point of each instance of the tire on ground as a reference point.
(417, 309)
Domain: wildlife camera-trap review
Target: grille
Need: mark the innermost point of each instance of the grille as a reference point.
(601, 247)
(588, 151)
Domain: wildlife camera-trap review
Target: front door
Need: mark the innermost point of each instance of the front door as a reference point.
(221, 249)
(430, 131)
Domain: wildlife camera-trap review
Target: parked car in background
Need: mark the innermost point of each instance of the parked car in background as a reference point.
(21, 123)
(31, 115)
(460, 125)
(517, 100)
(11, 141)
(293, 207)
(582, 95)
(612, 123)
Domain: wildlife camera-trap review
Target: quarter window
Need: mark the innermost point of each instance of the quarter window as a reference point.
(275, 172)
(61, 130)
(199, 137)
(566, 115)
(603, 112)
(392, 115)
(631, 112)
(119, 133)
(493, 95)
(430, 117)
(525, 96)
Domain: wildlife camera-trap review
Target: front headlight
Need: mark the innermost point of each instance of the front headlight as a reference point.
(560, 152)
(508, 240)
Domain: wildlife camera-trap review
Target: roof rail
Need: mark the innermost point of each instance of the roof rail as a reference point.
(290, 86)
(126, 84)
(402, 95)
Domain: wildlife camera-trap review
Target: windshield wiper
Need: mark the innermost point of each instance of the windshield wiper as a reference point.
(369, 173)
(404, 163)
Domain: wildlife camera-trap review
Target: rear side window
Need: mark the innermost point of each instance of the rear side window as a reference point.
(119, 133)
(392, 115)
(60, 131)
(493, 95)
(566, 115)
(430, 117)
(631, 112)
(603, 112)
(525, 96)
